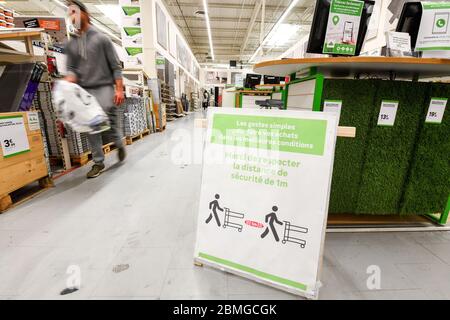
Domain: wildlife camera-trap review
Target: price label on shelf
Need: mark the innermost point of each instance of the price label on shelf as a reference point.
(436, 110)
(388, 113)
(333, 106)
(13, 136)
(33, 121)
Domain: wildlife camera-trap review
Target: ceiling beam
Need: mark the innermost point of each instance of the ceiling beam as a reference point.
(223, 30)
(251, 24)
(233, 6)
(232, 19)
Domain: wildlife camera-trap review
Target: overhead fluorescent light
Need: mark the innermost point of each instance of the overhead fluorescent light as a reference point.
(112, 11)
(208, 27)
(275, 27)
(60, 3)
(282, 35)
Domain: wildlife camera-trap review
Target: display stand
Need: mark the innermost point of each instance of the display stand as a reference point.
(384, 171)
(21, 169)
(247, 98)
(137, 79)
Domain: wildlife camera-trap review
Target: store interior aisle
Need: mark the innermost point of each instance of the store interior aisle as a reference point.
(130, 234)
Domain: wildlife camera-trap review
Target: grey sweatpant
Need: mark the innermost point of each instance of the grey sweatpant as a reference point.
(105, 97)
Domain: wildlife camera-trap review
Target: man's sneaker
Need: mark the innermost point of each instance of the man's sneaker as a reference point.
(95, 171)
(122, 154)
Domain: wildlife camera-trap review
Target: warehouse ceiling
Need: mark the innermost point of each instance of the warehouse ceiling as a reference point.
(235, 24)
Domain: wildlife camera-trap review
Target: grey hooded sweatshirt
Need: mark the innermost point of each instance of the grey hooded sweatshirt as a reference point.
(92, 58)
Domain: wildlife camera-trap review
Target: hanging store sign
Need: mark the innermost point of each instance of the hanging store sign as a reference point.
(434, 30)
(343, 27)
(264, 196)
(13, 136)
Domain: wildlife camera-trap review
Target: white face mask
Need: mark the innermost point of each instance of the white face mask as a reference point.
(74, 18)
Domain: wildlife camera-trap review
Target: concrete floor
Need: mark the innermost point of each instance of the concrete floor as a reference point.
(131, 233)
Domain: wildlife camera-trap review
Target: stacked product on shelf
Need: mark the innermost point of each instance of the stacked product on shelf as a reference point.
(6, 18)
(135, 116)
(43, 102)
(77, 142)
(168, 100)
(195, 102)
(2, 18)
(44, 141)
(15, 79)
(151, 119)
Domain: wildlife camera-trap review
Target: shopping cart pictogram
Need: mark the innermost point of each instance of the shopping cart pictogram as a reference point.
(293, 229)
(231, 214)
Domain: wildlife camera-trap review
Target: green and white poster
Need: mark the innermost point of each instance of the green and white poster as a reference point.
(132, 36)
(13, 136)
(434, 31)
(264, 195)
(343, 27)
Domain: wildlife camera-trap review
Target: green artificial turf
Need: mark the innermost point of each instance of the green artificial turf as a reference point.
(428, 186)
(357, 111)
(390, 150)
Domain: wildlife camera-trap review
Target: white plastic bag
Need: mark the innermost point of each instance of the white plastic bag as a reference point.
(78, 109)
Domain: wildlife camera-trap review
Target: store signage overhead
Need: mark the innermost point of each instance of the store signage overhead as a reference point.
(434, 31)
(343, 27)
(264, 195)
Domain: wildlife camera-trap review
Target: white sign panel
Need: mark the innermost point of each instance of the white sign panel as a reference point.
(13, 136)
(436, 110)
(265, 193)
(399, 43)
(33, 121)
(388, 113)
(434, 31)
(333, 106)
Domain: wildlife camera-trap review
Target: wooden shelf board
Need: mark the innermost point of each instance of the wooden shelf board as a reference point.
(335, 220)
(403, 65)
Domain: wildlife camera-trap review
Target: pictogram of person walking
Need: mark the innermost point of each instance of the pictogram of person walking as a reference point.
(271, 218)
(214, 205)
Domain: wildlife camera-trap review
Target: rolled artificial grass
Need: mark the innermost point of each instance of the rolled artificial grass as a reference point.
(390, 150)
(428, 186)
(357, 111)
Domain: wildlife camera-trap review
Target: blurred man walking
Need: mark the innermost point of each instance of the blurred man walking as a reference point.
(92, 63)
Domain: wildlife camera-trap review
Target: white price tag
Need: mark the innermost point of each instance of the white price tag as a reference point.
(13, 136)
(333, 106)
(436, 110)
(33, 121)
(388, 113)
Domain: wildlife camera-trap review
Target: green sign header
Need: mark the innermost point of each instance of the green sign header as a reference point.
(306, 136)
